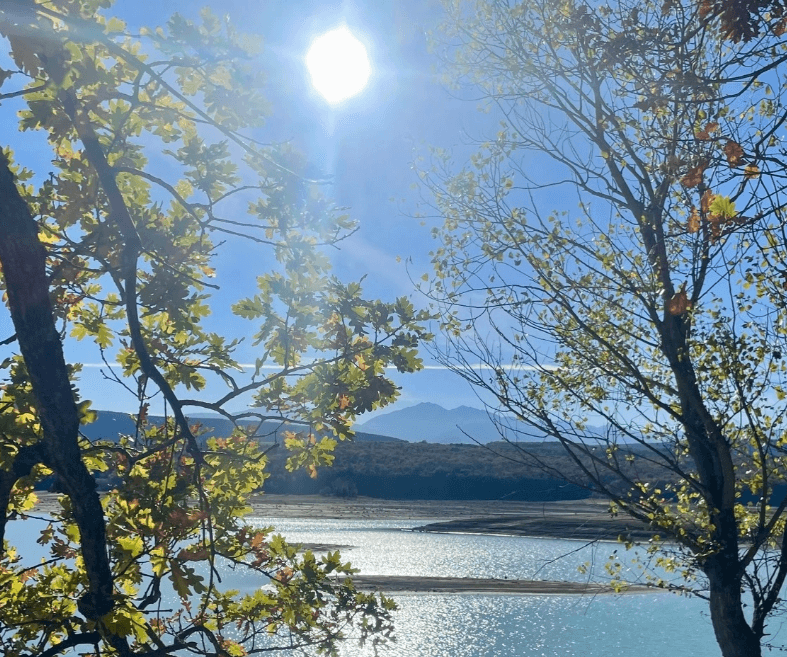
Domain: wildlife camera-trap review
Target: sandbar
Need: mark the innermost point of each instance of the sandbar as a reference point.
(412, 584)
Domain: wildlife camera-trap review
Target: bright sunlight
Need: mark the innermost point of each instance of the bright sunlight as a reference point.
(338, 64)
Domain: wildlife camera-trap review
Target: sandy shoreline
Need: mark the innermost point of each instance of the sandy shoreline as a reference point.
(407, 584)
(572, 519)
(576, 519)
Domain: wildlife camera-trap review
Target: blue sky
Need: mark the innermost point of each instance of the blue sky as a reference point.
(367, 145)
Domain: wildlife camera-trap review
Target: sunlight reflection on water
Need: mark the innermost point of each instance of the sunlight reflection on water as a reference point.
(474, 625)
(471, 625)
(386, 548)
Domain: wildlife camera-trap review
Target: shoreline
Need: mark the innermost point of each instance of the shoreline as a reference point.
(388, 584)
(586, 520)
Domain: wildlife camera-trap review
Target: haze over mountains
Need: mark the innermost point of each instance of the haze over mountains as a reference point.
(422, 422)
(435, 424)
(109, 425)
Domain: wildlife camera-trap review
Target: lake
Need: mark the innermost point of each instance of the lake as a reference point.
(484, 625)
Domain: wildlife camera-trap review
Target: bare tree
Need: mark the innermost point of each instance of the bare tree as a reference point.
(615, 256)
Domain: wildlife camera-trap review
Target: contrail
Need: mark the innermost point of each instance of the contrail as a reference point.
(477, 366)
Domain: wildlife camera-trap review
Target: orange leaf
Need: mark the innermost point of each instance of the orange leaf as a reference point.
(734, 153)
(705, 202)
(693, 223)
(694, 176)
(678, 304)
(344, 402)
(751, 171)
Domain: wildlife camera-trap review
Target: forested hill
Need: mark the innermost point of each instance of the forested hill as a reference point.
(383, 467)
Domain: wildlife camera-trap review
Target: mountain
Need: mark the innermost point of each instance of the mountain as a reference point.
(109, 425)
(435, 424)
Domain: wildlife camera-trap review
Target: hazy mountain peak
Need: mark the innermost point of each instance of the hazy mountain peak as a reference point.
(435, 424)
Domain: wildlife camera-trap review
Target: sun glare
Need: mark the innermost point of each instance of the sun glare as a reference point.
(338, 65)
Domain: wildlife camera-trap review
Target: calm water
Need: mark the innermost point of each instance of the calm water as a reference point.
(483, 625)
(476, 625)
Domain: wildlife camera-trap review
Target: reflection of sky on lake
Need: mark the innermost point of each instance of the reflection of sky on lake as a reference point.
(474, 625)
(384, 548)
(549, 626)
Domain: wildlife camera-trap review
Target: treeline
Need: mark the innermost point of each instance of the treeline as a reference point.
(388, 468)
(402, 470)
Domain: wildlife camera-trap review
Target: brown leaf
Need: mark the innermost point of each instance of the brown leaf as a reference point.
(706, 8)
(780, 27)
(693, 223)
(734, 153)
(679, 303)
(751, 171)
(694, 176)
(705, 202)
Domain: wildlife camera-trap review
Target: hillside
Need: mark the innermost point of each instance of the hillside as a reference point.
(385, 467)
(405, 470)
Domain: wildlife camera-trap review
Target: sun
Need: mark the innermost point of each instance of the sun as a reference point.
(338, 64)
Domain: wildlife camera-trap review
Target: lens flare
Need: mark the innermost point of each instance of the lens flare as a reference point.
(338, 65)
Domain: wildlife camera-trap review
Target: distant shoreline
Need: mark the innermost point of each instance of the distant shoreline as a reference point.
(577, 519)
(587, 519)
(411, 584)
(572, 519)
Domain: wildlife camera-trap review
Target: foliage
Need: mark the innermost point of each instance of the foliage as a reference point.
(743, 20)
(154, 155)
(657, 307)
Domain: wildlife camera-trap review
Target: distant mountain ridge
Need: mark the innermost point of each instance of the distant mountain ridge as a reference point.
(435, 424)
(109, 425)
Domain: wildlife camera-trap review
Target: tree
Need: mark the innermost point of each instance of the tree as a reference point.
(657, 308)
(154, 141)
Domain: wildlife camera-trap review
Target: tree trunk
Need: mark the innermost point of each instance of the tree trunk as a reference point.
(23, 261)
(733, 633)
